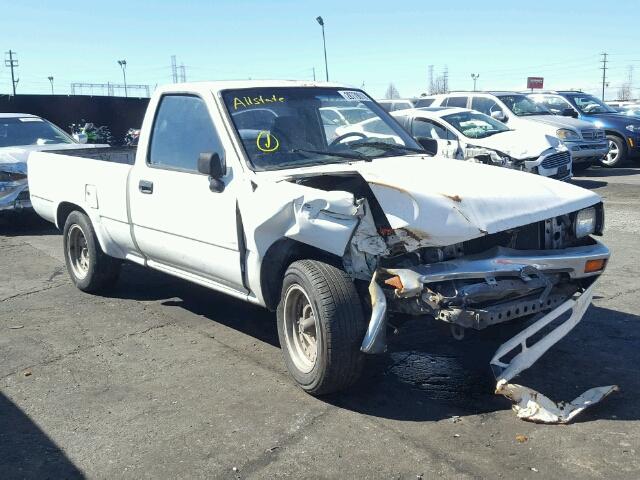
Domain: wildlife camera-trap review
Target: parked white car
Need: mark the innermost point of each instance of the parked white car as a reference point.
(21, 134)
(331, 234)
(465, 134)
(397, 104)
(586, 142)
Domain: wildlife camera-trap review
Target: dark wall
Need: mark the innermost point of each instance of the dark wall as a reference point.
(118, 113)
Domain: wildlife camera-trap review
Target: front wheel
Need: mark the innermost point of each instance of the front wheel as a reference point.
(90, 269)
(617, 152)
(321, 327)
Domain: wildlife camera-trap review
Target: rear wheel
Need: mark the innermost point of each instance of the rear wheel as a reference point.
(617, 152)
(90, 269)
(321, 327)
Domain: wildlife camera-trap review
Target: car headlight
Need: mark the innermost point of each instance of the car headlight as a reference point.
(585, 223)
(566, 134)
(633, 128)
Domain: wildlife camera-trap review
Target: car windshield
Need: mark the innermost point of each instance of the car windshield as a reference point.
(301, 126)
(590, 104)
(22, 131)
(475, 124)
(522, 106)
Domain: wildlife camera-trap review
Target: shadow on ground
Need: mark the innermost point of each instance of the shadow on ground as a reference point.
(426, 374)
(26, 451)
(24, 223)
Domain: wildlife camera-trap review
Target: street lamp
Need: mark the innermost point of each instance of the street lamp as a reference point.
(51, 81)
(475, 77)
(324, 44)
(123, 65)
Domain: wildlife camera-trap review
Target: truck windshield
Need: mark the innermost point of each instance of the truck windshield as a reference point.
(522, 106)
(590, 104)
(300, 126)
(30, 131)
(474, 124)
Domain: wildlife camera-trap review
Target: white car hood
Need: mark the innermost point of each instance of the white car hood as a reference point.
(562, 122)
(518, 144)
(14, 159)
(444, 201)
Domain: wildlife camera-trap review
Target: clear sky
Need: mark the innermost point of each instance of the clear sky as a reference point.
(368, 42)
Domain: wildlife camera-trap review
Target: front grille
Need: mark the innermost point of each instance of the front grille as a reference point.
(556, 160)
(591, 134)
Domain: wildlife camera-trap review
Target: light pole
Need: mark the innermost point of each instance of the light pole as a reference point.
(51, 81)
(123, 65)
(475, 77)
(324, 44)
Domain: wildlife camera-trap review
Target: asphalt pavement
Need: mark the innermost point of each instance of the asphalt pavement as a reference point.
(164, 379)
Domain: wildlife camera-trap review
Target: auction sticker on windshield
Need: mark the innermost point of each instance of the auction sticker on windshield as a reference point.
(354, 95)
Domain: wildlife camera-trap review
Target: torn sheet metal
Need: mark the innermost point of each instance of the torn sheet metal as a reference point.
(534, 407)
(529, 404)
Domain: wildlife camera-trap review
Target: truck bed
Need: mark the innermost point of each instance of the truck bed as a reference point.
(124, 155)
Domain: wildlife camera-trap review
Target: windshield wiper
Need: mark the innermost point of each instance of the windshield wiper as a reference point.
(388, 146)
(350, 156)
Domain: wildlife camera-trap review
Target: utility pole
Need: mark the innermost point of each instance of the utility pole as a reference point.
(12, 63)
(50, 77)
(475, 77)
(604, 72)
(123, 65)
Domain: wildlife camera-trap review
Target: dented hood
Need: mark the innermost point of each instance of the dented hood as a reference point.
(444, 201)
(519, 144)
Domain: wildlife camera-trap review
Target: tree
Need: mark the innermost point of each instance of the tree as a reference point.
(392, 92)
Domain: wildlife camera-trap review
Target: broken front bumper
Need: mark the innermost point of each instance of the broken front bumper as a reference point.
(518, 353)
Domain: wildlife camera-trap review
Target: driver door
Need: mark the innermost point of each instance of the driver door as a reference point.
(448, 145)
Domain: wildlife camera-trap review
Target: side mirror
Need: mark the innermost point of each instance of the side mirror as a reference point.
(498, 115)
(213, 165)
(429, 144)
(569, 112)
(80, 137)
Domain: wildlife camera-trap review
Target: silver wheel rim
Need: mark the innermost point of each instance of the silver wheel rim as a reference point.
(300, 328)
(614, 153)
(78, 251)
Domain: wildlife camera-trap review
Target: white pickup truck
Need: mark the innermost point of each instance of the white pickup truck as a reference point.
(236, 187)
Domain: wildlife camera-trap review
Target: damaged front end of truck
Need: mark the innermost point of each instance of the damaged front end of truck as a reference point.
(464, 259)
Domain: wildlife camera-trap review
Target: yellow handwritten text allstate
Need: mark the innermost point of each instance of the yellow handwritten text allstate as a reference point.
(244, 102)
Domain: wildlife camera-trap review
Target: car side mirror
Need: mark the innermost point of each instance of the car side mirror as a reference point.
(429, 144)
(213, 165)
(498, 115)
(569, 112)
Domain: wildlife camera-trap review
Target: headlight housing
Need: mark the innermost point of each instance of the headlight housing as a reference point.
(567, 134)
(633, 128)
(586, 222)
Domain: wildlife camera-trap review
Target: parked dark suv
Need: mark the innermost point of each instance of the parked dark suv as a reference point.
(623, 132)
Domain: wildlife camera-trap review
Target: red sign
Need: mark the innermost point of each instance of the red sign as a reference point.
(535, 82)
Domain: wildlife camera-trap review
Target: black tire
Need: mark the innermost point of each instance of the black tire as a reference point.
(339, 327)
(101, 270)
(611, 161)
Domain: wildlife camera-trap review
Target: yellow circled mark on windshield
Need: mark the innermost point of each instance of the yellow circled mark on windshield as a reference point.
(266, 142)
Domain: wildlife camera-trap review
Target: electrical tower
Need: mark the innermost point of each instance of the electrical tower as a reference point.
(431, 86)
(604, 72)
(174, 69)
(12, 63)
(183, 73)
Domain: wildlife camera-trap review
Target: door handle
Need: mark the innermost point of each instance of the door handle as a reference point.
(145, 186)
